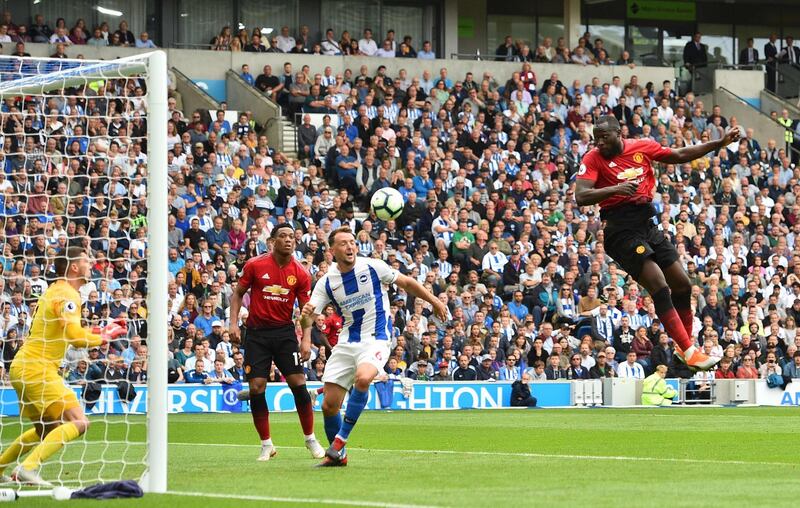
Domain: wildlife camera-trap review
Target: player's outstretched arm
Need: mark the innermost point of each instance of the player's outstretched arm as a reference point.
(690, 153)
(415, 288)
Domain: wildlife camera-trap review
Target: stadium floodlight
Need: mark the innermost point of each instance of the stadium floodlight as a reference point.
(108, 12)
(117, 446)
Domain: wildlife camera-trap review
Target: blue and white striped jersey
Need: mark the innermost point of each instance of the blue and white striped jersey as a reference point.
(360, 297)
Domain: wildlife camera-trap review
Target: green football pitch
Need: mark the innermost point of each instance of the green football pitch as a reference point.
(589, 457)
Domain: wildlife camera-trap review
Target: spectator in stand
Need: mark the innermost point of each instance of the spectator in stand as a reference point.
(792, 367)
(601, 369)
(367, 46)
(507, 51)
(144, 41)
(386, 50)
(60, 51)
(285, 41)
(330, 46)
(426, 53)
(465, 371)
(769, 367)
(747, 369)
(97, 38)
(521, 392)
(198, 374)
(126, 37)
(630, 368)
(60, 37)
(790, 53)
(39, 30)
(695, 53)
(4, 36)
(255, 45)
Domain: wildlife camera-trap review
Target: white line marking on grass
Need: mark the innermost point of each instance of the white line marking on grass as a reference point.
(620, 458)
(302, 500)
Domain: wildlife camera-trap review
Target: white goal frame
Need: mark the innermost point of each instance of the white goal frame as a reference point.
(154, 65)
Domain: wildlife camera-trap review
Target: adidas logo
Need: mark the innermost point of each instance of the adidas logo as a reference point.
(265, 276)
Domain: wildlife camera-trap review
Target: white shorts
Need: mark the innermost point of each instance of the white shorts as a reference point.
(347, 357)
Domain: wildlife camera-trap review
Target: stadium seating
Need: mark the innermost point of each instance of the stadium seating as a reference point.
(500, 152)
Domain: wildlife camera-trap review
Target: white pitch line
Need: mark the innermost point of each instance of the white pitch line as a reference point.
(620, 458)
(302, 500)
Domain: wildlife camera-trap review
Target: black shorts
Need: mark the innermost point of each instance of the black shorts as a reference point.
(631, 237)
(262, 346)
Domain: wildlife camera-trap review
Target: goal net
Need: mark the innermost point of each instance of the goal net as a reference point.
(84, 150)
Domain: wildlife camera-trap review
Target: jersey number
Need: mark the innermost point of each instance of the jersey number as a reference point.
(296, 356)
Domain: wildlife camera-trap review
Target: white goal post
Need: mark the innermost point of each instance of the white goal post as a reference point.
(45, 77)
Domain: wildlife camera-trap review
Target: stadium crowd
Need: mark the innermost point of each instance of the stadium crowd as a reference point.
(486, 165)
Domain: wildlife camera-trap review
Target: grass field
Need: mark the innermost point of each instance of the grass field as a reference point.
(593, 457)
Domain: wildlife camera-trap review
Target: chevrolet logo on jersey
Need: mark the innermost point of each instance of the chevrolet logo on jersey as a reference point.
(275, 290)
(630, 173)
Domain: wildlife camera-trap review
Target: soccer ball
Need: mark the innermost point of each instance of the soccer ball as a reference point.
(387, 203)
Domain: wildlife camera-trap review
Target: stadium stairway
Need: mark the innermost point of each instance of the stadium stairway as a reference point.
(770, 102)
(192, 97)
(289, 138)
(243, 97)
(748, 115)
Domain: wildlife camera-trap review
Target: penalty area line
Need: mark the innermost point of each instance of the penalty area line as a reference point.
(562, 456)
(301, 500)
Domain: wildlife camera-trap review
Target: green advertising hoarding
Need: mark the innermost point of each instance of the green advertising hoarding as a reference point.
(666, 10)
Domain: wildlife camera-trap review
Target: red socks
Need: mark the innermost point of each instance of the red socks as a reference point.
(306, 414)
(686, 319)
(675, 328)
(673, 323)
(258, 406)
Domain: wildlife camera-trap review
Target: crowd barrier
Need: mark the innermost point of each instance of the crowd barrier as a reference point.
(188, 398)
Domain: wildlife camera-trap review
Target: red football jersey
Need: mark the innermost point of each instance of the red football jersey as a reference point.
(273, 290)
(633, 164)
(333, 324)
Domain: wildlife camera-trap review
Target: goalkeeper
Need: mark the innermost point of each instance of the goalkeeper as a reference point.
(44, 398)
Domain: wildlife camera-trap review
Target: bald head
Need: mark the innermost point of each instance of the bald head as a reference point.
(607, 122)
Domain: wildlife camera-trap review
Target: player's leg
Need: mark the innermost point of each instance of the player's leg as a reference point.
(651, 277)
(666, 256)
(24, 443)
(56, 431)
(338, 378)
(331, 409)
(305, 411)
(370, 360)
(257, 364)
(286, 354)
(681, 289)
(359, 395)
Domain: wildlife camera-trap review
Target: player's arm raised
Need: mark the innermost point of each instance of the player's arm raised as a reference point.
(413, 287)
(690, 153)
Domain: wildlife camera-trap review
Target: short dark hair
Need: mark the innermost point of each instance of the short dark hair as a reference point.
(62, 261)
(274, 233)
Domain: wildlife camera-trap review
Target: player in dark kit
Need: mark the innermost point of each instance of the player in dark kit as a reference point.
(619, 176)
(275, 281)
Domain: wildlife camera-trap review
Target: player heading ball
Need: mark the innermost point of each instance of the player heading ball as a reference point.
(618, 174)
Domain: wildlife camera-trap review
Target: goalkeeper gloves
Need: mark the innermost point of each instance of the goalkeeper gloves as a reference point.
(112, 330)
